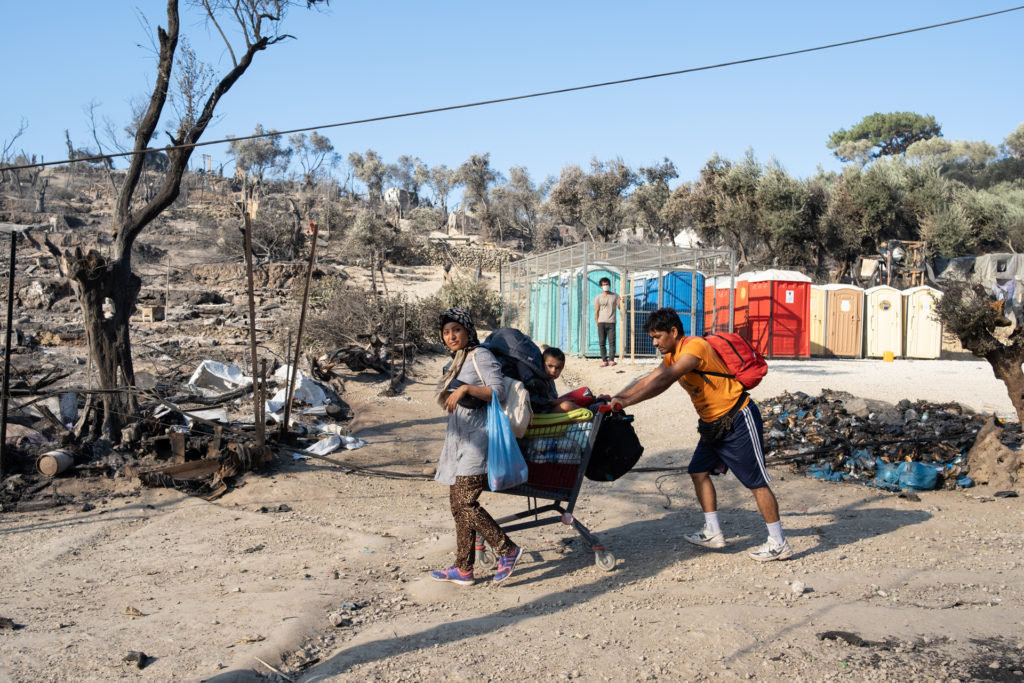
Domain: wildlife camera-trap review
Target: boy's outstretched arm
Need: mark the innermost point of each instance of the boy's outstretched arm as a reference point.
(654, 382)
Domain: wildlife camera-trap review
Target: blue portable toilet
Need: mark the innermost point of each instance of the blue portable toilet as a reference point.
(675, 290)
(687, 299)
(644, 301)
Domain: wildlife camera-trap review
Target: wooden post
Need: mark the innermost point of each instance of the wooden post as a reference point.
(289, 391)
(7, 354)
(632, 323)
(252, 328)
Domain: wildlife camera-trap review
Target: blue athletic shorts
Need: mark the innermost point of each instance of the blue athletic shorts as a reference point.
(742, 450)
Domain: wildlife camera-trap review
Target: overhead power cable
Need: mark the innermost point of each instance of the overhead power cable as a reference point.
(513, 98)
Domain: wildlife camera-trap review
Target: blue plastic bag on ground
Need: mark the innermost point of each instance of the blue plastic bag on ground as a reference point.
(886, 473)
(917, 476)
(506, 466)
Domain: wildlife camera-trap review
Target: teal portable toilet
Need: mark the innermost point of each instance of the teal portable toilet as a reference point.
(582, 292)
(544, 332)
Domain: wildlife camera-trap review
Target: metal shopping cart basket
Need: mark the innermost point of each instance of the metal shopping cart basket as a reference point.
(556, 456)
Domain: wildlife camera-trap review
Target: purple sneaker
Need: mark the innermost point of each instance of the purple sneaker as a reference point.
(506, 563)
(453, 575)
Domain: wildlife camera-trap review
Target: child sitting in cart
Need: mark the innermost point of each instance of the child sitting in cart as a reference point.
(464, 393)
(554, 364)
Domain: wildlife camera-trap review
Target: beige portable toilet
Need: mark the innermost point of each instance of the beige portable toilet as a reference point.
(923, 337)
(844, 321)
(883, 321)
(819, 303)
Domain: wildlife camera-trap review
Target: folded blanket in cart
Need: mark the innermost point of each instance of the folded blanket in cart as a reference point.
(556, 424)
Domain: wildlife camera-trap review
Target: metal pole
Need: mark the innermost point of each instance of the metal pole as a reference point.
(732, 289)
(298, 337)
(260, 436)
(7, 355)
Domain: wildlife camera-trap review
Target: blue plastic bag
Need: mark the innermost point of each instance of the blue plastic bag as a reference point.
(917, 476)
(505, 464)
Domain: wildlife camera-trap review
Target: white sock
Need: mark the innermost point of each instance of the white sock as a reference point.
(711, 522)
(775, 531)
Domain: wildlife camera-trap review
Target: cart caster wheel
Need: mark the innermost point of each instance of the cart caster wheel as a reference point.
(605, 560)
(486, 558)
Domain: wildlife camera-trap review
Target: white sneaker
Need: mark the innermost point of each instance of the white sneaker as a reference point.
(772, 550)
(707, 540)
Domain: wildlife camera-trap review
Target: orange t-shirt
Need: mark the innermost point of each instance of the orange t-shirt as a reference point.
(712, 396)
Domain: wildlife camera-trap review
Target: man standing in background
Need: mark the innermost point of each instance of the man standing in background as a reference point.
(605, 306)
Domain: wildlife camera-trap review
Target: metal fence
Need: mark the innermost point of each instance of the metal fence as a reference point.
(550, 296)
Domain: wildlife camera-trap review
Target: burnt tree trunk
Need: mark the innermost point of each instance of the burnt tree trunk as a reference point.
(1006, 366)
(96, 282)
(966, 311)
(96, 279)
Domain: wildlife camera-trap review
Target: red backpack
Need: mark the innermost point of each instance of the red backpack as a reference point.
(745, 364)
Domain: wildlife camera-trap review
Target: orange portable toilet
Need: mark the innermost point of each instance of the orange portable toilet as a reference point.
(778, 313)
(740, 304)
(709, 304)
(723, 289)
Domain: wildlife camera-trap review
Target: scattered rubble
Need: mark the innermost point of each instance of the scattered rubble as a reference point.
(909, 445)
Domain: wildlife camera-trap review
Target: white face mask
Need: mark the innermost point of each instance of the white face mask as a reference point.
(605, 288)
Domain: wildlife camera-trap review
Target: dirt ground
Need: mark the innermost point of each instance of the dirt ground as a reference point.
(310, 572)
(933, 588)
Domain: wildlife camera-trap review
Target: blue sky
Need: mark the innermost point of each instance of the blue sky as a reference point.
(364, 59)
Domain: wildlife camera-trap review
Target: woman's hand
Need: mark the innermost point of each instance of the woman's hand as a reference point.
(454, 398)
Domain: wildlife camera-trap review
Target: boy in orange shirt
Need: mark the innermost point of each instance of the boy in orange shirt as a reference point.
(729, 426)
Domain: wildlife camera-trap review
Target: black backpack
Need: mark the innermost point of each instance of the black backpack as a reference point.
(521, 359)
(616, 448)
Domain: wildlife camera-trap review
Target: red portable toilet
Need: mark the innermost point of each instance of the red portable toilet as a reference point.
(778, 313)
(739, 319)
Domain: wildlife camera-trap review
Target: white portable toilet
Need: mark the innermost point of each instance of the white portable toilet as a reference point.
(883, 320)
(923, 337)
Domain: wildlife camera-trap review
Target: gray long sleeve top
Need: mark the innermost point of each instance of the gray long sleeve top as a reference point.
(465, 441)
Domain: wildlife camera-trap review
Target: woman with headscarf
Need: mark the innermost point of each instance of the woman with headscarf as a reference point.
(465, 392)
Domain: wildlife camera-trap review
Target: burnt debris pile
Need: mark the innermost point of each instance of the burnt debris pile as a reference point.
(915, 445)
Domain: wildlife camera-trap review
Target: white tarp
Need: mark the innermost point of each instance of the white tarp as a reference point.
(306, 390)
(331, 444)
(215, 377)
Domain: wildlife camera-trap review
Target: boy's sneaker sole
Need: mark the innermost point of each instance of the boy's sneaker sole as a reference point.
(701, 538)
(770, 552)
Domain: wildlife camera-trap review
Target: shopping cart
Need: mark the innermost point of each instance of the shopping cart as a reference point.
(556, 457)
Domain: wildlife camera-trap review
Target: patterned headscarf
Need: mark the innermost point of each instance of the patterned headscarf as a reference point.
(459, 315)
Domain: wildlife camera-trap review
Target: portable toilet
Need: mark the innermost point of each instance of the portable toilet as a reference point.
(643, 300)
(723, 290)
(740, 301)
(683, 290)
(818, 311)
(778, 312)
(709, 304)
(546, 310)
(582, 292)
(923, 338)
(563, 311)
(883, 321)
(844, 321)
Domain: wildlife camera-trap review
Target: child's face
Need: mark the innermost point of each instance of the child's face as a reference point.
(553, 366)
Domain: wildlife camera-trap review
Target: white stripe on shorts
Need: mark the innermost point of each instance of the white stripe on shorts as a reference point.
(755, 442)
